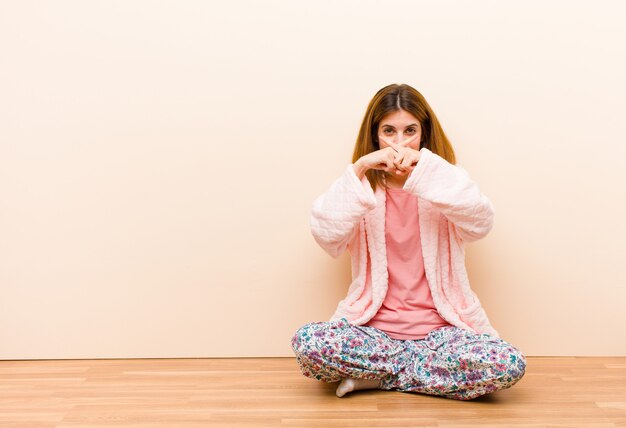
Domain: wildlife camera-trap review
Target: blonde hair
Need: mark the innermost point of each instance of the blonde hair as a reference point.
(388, 100)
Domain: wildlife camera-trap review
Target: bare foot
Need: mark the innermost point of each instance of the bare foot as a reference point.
(349, 385)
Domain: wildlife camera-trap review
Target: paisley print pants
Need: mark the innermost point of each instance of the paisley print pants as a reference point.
(449, 362)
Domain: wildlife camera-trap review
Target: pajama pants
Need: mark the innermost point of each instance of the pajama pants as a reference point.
(450, 362)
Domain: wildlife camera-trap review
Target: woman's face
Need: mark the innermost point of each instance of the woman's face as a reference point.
(401, 128)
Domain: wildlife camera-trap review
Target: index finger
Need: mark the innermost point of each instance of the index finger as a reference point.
(405, 142)
(389, 144)
(393, 145)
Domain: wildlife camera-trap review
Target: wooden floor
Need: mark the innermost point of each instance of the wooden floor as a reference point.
(271, 392)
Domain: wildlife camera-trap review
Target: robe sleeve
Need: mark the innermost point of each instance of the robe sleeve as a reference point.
(336, 214)
(451, 190)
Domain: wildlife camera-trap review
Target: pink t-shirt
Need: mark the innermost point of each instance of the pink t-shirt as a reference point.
(408, 311)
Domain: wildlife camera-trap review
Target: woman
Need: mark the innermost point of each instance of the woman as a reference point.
(404, 210)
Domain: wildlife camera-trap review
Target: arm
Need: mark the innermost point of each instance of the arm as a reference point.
(450, 189)
(336, 214)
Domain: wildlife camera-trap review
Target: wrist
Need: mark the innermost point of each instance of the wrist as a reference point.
(359, 169)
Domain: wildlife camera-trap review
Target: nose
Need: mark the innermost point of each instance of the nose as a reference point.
(397, 139)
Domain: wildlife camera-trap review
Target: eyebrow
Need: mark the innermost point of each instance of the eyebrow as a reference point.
(391, 126)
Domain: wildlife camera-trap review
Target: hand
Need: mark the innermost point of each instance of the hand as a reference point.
(406, 157)
(395, 159)
(380, 159)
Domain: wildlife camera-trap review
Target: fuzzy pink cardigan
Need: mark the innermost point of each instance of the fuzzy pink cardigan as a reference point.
(452, 211)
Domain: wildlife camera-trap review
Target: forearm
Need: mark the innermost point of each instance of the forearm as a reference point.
(450, 189)
(336, 214)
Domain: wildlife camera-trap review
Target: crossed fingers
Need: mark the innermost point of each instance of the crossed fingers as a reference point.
(402, 159)
(399, 147)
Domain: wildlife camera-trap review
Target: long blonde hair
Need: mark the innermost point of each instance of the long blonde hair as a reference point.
(390, 99)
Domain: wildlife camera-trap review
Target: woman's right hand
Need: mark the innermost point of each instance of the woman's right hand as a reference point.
(382, 159)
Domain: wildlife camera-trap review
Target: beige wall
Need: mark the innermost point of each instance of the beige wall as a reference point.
(158, 161)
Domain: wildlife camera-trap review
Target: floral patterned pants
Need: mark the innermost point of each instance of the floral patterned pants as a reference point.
(449, 362)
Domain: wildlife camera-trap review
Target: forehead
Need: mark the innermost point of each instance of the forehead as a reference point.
(399, 118)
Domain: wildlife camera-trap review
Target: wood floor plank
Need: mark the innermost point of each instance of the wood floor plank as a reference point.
(271, 392)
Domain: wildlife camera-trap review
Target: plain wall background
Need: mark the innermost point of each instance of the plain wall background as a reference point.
(158, 161)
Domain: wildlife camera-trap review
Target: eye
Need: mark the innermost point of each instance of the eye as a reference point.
(388, 130)
(411, 131)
